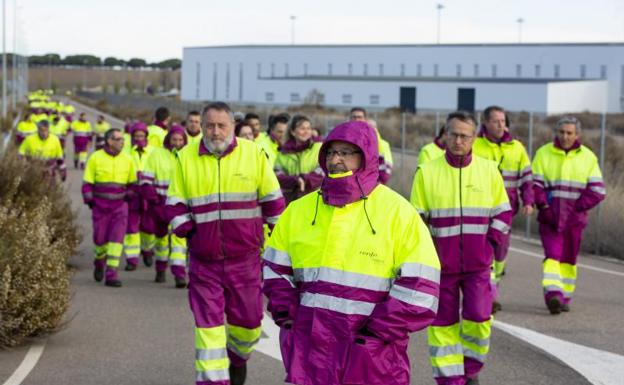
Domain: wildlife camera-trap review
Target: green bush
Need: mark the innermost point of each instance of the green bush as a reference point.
(38, 234)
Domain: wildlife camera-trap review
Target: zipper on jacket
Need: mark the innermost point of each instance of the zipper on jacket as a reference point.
(219, 230)
(461, 220)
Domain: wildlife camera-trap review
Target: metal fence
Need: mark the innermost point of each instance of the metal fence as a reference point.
(407, 133)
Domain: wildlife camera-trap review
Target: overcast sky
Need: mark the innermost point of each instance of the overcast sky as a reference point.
(157, 29)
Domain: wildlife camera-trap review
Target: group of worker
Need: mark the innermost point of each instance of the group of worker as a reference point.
(349, 267)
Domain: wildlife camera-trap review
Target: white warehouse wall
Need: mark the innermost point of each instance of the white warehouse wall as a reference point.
(577, 96)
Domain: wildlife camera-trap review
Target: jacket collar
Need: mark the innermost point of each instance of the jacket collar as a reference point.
(458, 161)
(506, 138)
(575, 146)
(203, 150)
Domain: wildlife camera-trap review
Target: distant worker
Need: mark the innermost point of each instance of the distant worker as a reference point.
(155, 179)
(358, 114)
(496, 143)
(100, 128)
(68, 112)
(297, 166)
(25, 128)
(567, 183)
(350, 271)
(81, 131)
(244, 130)
(434, 149)
(462, 198)
(46, 147)
(192, 125)
(221, 193)
(158, 129)
(109, 182)
(254, 121)
(60, 128)
(276, 130)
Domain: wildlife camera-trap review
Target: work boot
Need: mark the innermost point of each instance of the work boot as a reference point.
(238, 374)
(565, 307)
(554, 305)
(148, 259)
(473, 381)
(180, 283)
(98, 274)
(496, 307)
(113, 283)
(160, 277)
(130, 267)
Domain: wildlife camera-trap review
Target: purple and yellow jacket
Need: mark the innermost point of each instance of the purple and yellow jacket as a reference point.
(109, 179)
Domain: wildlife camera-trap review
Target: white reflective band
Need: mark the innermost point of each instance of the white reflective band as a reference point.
(236, 350)
(172, 201)
(551, 276)
(161, 191)
(525, 170)
(457, 212)
(341, 277)
(228, 215)
(223, 197)
(500, 226)
(594, 179)
(180, 220)
(178, 249)
(565, 183)
(177, 262)
(415, 297)
(319, 171)
(148, 174)
(268, 273)
(474, 355)
(538, 178)
(273, 195)
(511, 183)
(272, 220)
(162, 182)
(450, 231)
(82, 133)
(277, 257)
(213, 375)
(598, 189)
(553, 289)
(568, 281)
(339, 305)
(525, 179)
(441, 351)
(500, 209)
(475, 340)
(566, 194)
(509, 173)
(418, 270)
(448, 371)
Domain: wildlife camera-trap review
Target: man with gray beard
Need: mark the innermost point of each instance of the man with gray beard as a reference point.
(221, 193)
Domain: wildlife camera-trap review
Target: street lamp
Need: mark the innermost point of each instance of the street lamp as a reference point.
(293, 18)
(520, 21)
(439, 7)
(4, 62)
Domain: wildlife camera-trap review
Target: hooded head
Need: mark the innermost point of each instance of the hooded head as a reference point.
(139, 127)
(351, 186)
(175, 129)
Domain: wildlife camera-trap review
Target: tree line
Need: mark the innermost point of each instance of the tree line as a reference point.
(94, 61)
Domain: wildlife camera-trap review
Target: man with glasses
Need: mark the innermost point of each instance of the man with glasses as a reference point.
(495, 143)
(350, 270)
(221, 192)
(109, 182)
(568, 183)
(462, 197)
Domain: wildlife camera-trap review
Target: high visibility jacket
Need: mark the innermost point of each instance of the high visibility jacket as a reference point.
(36, 118)
(570, 183)
(270, 147)
(223, 200)
(385, 161)
(467, 209)
(60, 128)
(513, 163)
(429, 152)
(101, 128)
(140, 157)
(127, 148)
(290, 165)
(81, 129)
(194, 139)
(108, 180)
(156, 135)
(326, 270)
(156, 175)
(25, 128)
(68, 109)
(48, 149)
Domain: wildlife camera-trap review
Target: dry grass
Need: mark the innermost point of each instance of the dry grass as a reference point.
(38, 235)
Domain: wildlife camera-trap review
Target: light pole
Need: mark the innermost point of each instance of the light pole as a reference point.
(520, 21)
(14, 64)
(293, 18)
(4, 62)
(439, 7)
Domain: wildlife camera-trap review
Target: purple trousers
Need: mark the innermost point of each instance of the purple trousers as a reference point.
(81, 143)
(109, 226)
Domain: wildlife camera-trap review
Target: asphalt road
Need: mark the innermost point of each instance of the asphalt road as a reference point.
(142, 333)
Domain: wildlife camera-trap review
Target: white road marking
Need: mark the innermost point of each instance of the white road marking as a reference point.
(27, 365)
(588, 267)
(270, 345)
(597, 366)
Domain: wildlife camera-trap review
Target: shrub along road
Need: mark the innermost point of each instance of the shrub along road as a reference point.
(142, 333)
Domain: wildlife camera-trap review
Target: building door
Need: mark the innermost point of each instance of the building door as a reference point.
(407, 99)
(466, 99)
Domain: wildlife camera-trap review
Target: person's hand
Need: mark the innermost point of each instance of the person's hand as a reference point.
(301, 183)
(527, 210)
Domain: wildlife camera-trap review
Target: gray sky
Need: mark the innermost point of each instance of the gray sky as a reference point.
(158, 29)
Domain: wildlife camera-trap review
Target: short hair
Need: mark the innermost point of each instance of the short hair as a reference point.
(462, 116)
(279, 118)
(488, 111)
(109, 133)
(193, 113)
(251, 115)
(567, 119)
(354, 109)
(296, 121)
(161, 114)
(42, 123)
(239, 126)
(218, 106)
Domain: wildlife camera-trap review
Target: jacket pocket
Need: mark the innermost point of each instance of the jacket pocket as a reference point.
(369, 362)
(546, 216)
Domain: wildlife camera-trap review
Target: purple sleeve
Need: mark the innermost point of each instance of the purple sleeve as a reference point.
(593, 194)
